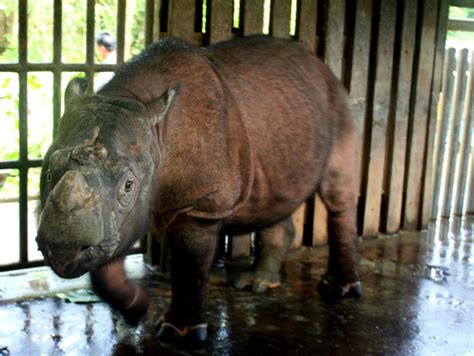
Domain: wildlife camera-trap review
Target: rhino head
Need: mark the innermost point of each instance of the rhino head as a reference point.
(96, 183)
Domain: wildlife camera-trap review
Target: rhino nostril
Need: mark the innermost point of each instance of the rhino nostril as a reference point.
(85, 247)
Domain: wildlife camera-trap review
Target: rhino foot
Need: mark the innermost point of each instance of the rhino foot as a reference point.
(329, 288)
(260, 281)
(170, 334)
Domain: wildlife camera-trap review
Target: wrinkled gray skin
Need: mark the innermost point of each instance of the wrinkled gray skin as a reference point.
(195, 143)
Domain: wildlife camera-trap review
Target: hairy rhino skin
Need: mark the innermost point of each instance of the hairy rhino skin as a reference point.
(242, 133)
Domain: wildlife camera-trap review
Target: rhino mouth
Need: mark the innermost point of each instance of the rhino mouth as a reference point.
(87, 259)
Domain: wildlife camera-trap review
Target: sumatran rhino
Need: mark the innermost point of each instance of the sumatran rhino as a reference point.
(198, 142)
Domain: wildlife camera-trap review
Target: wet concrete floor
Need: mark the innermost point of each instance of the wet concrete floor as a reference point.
(418, 300)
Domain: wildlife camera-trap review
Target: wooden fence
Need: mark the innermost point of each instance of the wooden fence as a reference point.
(453, 157)
(389, 54)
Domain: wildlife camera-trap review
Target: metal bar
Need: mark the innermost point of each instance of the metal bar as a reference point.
(121, 18)
(461, 25)
(57, 43)
(149, 17)
(23, 110)
(48, 67)
(21, 164)
(462, 3)
(14, 266)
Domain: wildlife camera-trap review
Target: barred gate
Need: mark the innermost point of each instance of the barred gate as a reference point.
(388, 53)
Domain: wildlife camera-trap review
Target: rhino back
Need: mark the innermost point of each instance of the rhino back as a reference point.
(284, 96)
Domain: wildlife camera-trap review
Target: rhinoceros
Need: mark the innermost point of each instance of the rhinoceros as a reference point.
(197, 142)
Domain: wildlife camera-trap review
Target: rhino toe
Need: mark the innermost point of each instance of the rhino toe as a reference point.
(259, 281)
(170, 334)
(330, 289)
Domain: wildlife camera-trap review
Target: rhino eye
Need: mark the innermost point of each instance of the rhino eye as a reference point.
(48, 176)
(126, 189)
(129, 185)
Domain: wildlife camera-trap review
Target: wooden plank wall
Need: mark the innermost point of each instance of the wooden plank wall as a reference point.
(389, 54)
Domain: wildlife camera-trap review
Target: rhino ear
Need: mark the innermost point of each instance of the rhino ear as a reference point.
(160, 107)
(76, 87)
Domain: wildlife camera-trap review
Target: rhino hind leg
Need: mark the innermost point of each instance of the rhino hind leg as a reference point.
(338, 192)
(273, 243)
(111, 284)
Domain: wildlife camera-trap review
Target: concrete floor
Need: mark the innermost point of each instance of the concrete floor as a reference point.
(418, 300)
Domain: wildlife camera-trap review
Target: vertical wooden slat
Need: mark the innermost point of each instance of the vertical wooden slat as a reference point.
(335, 36)
(221, 20)
(299, 220)
(453, 141)
(435, 96)
(442, 129)
(280, 18)
(397, 162)
(308, 14)
(360, 70)
(240, 245)
(417, 135)
(470, 189)
(334, 58)
(465, 146)
(466, 142)
(253, 16)
(181, 19)
(381, 104)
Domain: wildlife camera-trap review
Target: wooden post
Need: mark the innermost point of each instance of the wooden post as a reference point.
(435, 97)
(397, 161)
(439, 150)
(453, 142)
(381, 105)
(465, 144)
(421, 110)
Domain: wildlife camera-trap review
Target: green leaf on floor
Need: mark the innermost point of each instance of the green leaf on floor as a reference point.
(79, 296)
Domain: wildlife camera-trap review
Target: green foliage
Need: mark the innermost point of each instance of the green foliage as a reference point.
(40, 85)
(460, 39)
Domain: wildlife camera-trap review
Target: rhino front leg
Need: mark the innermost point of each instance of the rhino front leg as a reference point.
(110, 282)
(192, 244)
(273, 243)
